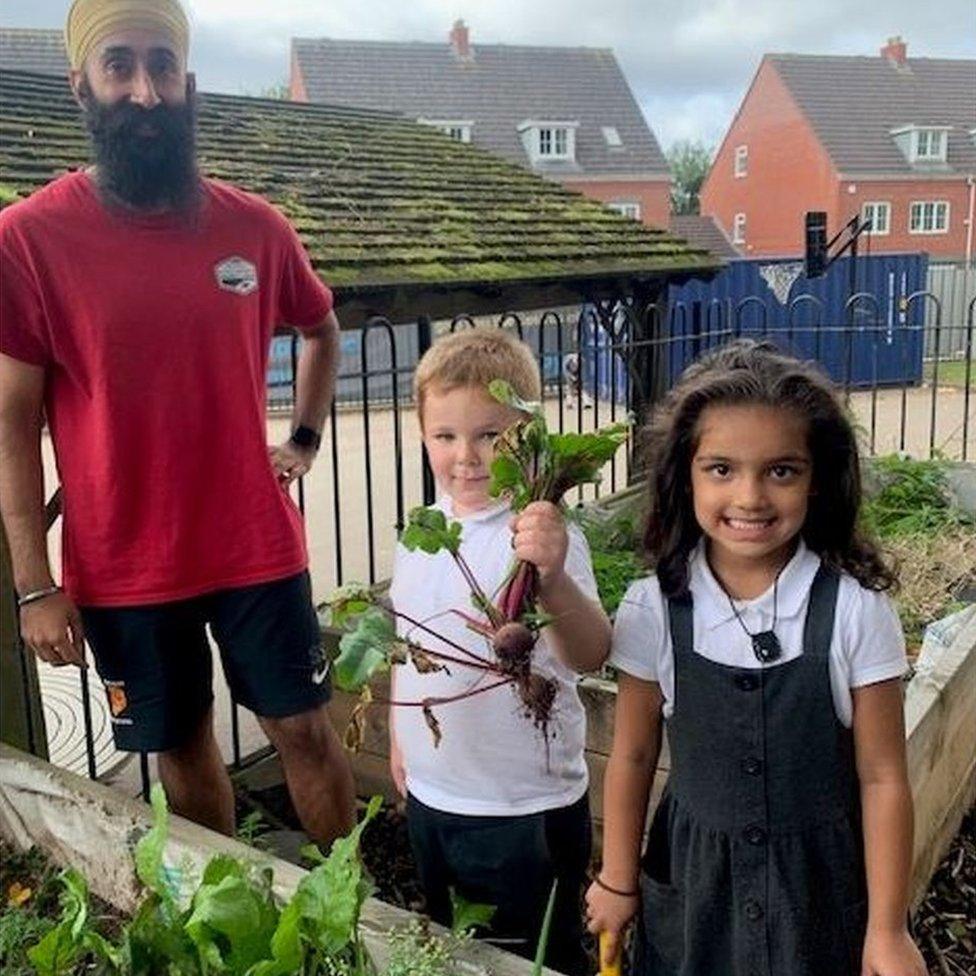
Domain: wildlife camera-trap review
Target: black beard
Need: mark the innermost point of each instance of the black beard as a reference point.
(144, 172)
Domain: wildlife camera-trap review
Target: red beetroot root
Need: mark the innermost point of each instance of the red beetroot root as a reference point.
(513, 643)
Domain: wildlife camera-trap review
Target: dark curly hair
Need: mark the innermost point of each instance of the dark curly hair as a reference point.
(749, 372)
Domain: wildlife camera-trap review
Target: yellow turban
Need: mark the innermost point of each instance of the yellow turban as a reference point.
(89, 21)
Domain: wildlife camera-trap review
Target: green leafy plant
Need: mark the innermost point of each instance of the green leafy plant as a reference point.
(530, 464)
(912, 498)
(231, 923)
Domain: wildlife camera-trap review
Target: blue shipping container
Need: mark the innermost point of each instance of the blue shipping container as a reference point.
(874, 338)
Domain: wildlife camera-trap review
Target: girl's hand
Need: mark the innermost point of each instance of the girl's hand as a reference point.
(540, 538)
(609, 913)
(891, 954)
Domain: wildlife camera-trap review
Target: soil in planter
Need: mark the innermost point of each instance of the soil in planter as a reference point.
(30, 905)
(945, 923)
(385, 848)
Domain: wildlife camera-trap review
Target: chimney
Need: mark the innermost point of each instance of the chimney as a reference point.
(895, 51)
(459, 40)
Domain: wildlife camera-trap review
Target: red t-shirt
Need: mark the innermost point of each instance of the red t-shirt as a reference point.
(154, 336)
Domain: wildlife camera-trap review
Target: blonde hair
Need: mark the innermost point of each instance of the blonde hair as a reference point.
(475, 357)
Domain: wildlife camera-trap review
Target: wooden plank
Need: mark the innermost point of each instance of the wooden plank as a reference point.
(940, 717)
(91, 827)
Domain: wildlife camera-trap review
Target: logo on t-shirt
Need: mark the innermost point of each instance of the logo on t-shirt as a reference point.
(237, 275)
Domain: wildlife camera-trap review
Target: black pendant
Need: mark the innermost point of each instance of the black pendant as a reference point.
(765, 645)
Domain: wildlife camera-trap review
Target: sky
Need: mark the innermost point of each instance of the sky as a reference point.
(689, 62)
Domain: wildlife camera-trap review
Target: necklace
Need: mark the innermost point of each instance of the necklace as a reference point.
(765, 643)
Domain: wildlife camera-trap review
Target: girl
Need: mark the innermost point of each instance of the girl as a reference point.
(782, 843)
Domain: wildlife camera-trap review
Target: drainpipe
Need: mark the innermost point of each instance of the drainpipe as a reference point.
(971, 183)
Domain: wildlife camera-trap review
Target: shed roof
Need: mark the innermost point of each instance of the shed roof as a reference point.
(379, 201)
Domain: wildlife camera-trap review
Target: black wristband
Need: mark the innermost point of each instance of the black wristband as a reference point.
(305, 437)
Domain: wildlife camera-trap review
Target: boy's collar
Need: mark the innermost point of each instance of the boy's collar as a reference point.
(446, 504)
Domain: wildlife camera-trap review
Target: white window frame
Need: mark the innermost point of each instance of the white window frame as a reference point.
(739, 228)
(457, 129)
(626, 208)
(916, 141)
(938, 206)
(611, 136)
(553, 142)
(740, 165)
(549, 140)
(877, 206)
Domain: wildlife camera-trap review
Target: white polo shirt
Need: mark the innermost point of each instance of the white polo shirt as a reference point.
(491, 760)
(867, 645)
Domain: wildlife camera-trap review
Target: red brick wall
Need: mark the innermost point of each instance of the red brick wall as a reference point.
(296, 83)
(788, 172)
(654, 197)
(900, 195)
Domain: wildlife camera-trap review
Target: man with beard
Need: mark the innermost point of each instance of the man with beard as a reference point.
(138, 303)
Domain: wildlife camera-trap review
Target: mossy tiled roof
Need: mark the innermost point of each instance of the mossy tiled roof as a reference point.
(378, 200)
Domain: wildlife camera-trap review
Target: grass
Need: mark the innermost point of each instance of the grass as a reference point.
(951, 373)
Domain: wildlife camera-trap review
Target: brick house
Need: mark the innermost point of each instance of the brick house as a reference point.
(891, 138)
(565, 113)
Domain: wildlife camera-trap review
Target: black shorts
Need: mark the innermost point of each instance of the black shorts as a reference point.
(155, 661)
(509, 862)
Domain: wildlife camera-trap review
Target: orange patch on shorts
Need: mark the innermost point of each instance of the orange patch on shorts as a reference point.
(117, 701)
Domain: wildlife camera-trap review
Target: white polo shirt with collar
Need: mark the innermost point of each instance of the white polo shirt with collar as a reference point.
(867, 645)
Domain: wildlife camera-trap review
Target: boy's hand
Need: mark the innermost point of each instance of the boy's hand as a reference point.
(540, 538)
(891, 954)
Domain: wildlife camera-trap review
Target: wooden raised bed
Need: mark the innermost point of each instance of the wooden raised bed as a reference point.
(93, 828)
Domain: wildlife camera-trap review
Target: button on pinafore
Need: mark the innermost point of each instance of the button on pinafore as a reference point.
(754, 864)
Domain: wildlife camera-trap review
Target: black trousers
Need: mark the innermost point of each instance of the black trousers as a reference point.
(509, 862)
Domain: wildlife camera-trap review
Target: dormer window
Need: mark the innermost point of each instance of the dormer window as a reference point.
(459, 131)
(554, 142)
(922, 145)
(547, 141)
(930, 144)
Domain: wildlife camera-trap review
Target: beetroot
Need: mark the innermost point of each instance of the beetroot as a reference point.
(513, 643)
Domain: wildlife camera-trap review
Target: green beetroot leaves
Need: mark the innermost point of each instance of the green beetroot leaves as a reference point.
(429, 531)
(366, 650)
(232, 925)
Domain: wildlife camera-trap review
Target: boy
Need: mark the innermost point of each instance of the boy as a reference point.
(495, 811)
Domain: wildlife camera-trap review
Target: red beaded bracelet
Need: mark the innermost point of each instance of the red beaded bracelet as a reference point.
(614, 891)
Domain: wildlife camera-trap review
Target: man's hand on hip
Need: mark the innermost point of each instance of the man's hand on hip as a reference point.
(291, 461)
(52, 629)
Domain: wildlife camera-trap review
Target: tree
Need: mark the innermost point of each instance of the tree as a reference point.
(689, 162)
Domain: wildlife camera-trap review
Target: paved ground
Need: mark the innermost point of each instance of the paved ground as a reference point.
(897, 420)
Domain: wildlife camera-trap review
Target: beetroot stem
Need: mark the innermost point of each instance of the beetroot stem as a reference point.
(475, 662)
(432, 702)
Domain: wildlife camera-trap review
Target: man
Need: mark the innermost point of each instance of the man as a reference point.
(138, 302)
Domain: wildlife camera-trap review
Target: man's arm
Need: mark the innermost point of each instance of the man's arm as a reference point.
(51, 625)
(318, 364)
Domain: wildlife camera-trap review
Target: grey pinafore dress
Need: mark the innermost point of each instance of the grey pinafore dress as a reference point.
(754, 864)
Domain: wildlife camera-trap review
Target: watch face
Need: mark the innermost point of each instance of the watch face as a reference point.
(306, 437)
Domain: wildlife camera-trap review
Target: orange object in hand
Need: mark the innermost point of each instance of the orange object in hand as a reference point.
(608, 967)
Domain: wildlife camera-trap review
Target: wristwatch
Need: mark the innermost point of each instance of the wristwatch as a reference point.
(305, 437)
